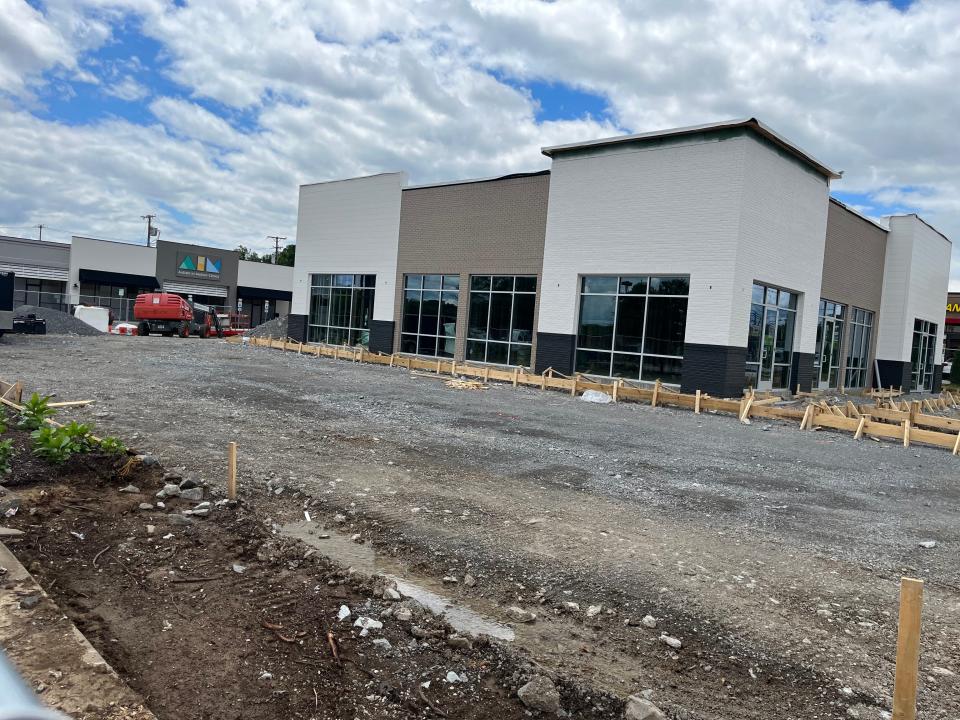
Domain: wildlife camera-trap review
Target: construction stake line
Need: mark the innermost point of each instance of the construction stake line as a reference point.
(884, 419)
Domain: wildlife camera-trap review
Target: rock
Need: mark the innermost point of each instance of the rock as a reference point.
(403, 614)
(391, 594)
(649, 621)
(572, 606)
(198, 512)
(671, 641)
(942, 672)
(639, 708)
(594, 610)
(10, 507)
(367, 624)
(145, 506)
(520, 615)
(188, 484)
(129, 489)
(193, 494)
(453, 677)
(339, 519)
(357, 538)
(450, 580)
(148, 460)
(928, 544)
(238, 568)
(458, 642)
(171, 476)
(382, 643)
(28, 602)
(151, 529)
(344, 613)
(823, 612)
(469, 580)
(424, 633)
(180, 520)
(169, 490)
(540, 694)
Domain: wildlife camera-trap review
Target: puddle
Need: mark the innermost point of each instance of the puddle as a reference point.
(364, 558)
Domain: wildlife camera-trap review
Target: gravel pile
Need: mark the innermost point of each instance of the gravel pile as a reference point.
(276, 328)
(58, 323)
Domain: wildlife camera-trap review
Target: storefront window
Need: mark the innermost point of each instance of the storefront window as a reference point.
(500, 329)
(430, 315)
(341, 307)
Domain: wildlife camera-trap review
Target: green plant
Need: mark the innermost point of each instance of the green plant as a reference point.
(34, 412)
(57, 445)
(112, 446)
(6, 450)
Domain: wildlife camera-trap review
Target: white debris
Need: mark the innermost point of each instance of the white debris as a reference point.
(928, 544)
(595, 396)
(344, 613)
(649, 621)
(167, 626)
(594, 610)
(453, 677)
(239, 569)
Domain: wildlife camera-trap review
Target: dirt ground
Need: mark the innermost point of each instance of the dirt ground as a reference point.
(773, 555)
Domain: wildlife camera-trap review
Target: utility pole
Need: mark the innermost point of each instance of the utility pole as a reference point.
(150, 231)
(40, 228)
(276, 244)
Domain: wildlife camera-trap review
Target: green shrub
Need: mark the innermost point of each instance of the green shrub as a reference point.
(57, 445)
(6, 450)
(113, 446)
(34, 412)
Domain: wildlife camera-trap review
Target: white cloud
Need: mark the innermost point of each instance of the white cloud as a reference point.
(344, 88)
(127, 88)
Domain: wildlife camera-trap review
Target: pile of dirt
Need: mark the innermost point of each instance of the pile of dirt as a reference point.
(213, 615)
(58, 323)
(276, 328)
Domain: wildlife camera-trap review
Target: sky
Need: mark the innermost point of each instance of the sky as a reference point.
(211, 114)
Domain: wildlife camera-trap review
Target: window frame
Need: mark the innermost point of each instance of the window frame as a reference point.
(509, 343)
(856, 375)
(585, 280)
(318, 333)
(449, 342)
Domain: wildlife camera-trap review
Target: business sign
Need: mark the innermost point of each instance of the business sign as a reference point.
(202, 267)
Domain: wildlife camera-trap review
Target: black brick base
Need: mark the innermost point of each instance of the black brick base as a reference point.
(381, 336)
(937, 378)
(802, 372)
(894, 373)
(714, 369)
(555, 350)
(297, 327)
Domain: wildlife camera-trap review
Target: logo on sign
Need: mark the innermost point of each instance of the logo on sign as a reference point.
(198, 266)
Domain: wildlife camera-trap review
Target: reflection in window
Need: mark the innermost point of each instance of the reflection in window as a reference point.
(632, 326)
(429, 315)
(858, 354)
(341, 307)
(500, 329)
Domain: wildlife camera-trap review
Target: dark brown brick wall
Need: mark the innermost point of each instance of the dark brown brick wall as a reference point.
(492, 227)
(853, 268)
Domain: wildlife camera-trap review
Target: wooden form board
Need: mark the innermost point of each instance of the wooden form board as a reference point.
(877, 422)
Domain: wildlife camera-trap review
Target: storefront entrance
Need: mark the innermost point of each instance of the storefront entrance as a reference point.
(770, 338)
(829, 341)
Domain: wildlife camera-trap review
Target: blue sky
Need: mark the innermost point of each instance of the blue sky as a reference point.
(211, 114)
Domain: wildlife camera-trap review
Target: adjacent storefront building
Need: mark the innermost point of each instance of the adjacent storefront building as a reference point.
(709, 257)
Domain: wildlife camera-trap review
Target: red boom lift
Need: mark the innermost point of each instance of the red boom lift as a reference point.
(170, 314)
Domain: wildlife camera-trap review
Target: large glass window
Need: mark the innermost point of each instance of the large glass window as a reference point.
(430, 314)
(773, 314)
(632, 326)
(341, 307)
(826, 360)
(500, 329)
(858, 352)
(922, 354)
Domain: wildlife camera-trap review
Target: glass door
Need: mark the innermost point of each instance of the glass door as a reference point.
(770, 338)
(922, 356)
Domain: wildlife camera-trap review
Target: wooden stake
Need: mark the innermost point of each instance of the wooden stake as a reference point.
(745, 413)
(616, 390)
(232, 471)
(543, 381)
(453, 367)
(956, 445)
(806, 416)
(696, 403)
(393, 357)
(486, 374)
(573, 386)
(438, 367)
(906, 433)
(516, 375)
(908, 650)
(914, 411)
(656, 393)
(859, 433)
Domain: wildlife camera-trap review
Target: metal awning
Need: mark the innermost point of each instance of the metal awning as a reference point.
(118, 278)
(36, 272)
(252, 293)
(190, 289)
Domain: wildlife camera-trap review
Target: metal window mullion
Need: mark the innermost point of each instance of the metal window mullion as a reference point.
(486, 335)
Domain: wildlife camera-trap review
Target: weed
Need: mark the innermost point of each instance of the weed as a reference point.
(113, 446)
(57, 445)
(34, 412)
(6, 450)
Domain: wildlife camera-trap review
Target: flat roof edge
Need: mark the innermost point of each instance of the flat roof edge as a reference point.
(472, 181)
(854, 211)
(949, 241)
(350, 179)
(750, 123)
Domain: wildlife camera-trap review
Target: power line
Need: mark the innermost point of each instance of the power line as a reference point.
(151, 231)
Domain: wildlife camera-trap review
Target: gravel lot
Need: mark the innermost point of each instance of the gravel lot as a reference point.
(772, 554)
